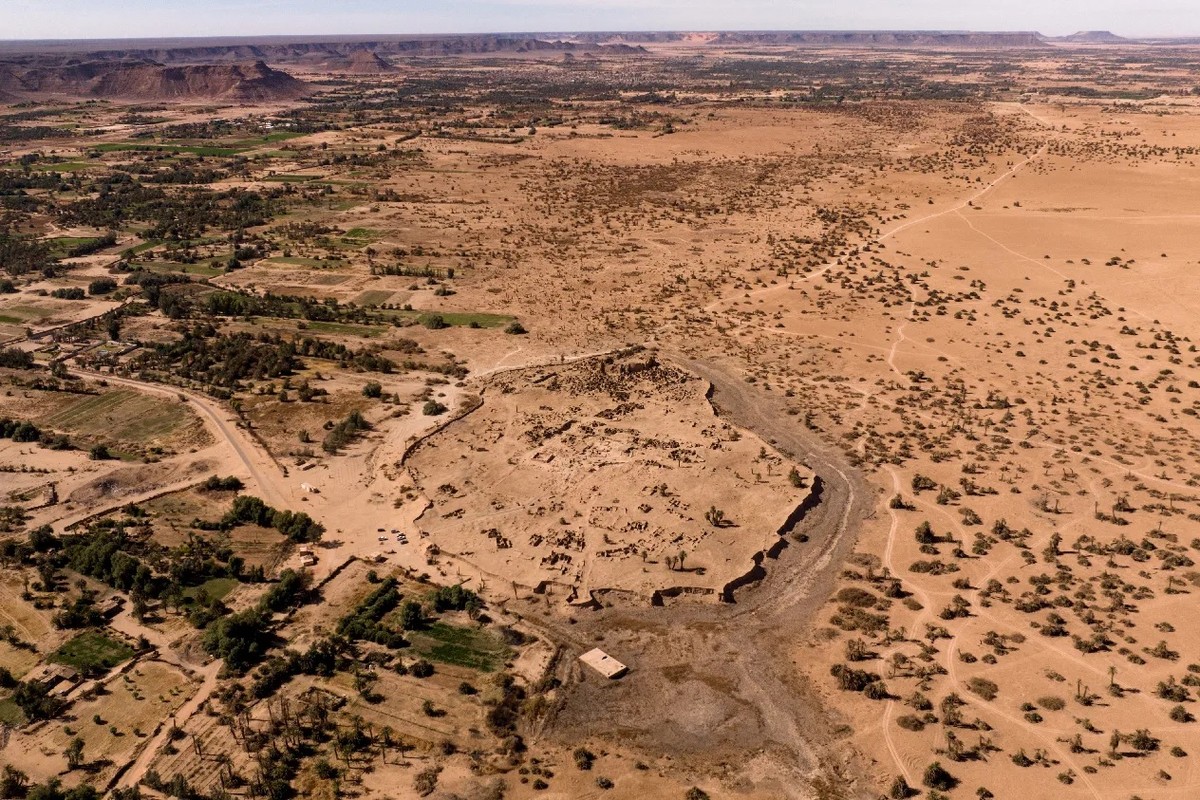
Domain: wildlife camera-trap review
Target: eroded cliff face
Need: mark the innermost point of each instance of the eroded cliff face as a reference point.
(148, 80)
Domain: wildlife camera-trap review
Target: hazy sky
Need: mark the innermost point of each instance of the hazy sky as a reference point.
(63, 19)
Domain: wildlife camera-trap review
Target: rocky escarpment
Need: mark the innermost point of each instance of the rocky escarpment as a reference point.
(148, 80)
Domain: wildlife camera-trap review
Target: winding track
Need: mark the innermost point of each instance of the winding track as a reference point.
(254, 461)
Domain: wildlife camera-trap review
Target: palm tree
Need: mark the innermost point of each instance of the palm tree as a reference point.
(74, 753)
(13, 782)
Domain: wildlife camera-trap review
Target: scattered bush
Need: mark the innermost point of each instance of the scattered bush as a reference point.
(936, 777)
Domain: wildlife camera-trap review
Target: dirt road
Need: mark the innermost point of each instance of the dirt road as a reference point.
(251, 460)
(717, 684)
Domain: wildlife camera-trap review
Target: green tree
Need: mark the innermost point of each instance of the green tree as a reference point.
(13, 782)
(74, 753)
(411, 615)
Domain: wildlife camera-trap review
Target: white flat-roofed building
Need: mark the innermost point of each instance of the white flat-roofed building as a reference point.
(603, 663)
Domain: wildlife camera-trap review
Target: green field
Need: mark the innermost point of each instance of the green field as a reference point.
(139, 248)
(65, 166)
(345, 329)
(120, 415)
(60, 245)
(11, 714)
(91, 652)
(198, 150)
(215, 588)
(230, 148)
(288, 178)
(360, 236)
(474, 648)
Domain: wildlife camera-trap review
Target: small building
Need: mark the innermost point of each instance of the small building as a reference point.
(603, 663)
(57, 679)
(308, 487)
(111, 607)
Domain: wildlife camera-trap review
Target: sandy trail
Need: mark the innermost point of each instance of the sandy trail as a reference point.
(249, 456)
(137, 770)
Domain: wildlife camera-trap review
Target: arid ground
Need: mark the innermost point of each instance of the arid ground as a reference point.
(845, 391)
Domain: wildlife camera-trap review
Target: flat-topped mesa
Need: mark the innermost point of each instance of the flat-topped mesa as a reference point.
(301, 50)
(148, 80)
(901, 39)
(1093, 37)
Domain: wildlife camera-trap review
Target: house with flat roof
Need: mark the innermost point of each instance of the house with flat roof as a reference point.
(603, 663)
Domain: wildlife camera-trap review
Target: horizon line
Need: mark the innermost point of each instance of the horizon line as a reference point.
(613, 31)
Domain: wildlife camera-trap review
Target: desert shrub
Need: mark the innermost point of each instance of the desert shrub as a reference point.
(426, 781)
(910, 722)
(1170, 690)
(876, 690)
(584, 758)
(854, 596)
(920, 702)
(1052, 703)
(344, 432)
(984, 688)
(936, 777)
(102, 286)
(852, 680)
(852, 618)
(1143, 741)
(921, 483)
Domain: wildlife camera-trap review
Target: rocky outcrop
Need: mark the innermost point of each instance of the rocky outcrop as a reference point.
(361, 62)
